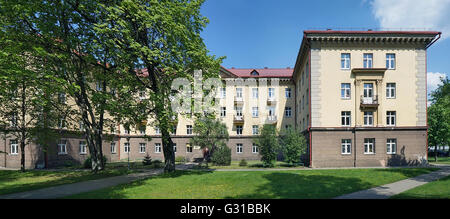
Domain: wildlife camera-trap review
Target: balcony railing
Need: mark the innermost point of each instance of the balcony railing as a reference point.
(271, 119)
(367, 102)
(271, 100)
(239, 100)
(238, 119)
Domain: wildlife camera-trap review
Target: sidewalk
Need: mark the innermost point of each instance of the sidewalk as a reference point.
(386, 191)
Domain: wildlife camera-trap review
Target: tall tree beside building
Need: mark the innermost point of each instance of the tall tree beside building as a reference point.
(163, 39)
(293, 144)
(268, 143)
(439, 117)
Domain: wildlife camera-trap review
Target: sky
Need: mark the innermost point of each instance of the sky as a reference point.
(268, 33)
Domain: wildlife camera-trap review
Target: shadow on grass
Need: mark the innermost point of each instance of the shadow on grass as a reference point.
(408, 172)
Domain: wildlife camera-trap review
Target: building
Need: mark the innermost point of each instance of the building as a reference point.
(359, 98)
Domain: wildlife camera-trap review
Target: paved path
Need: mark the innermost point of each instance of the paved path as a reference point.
(386, 191)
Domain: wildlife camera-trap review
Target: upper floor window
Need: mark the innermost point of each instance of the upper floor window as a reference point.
(238, 111)
(239, 129)
(390, 118)
(223, 111)
(288, 92)
(368, 60)
(345, 91)
(157, 130)
(223, 92)
(142, 94)
(255, 129)
(255, 111)
(255, 93)
(142, 129)
(271, 92)
(62, 98)
(345, 61)
(189, 129)
(345, 118)
(390, 90)
(390, 61)
(288, 111)
(368, 118)
(239, 92)
(14, 119)
(255, 148)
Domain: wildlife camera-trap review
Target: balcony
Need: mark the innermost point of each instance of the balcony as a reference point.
(238, 119)
(271, 101)
(271, 120)
(369, 102)
(238, 100)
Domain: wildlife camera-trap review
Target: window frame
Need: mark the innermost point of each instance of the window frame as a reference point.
(142, 146)
(344, 91)
(390, 90)
(391, 115)
(113, 146)
(391, 61)
(126, 147)
(288, 111)
(158, 148)
(368, 59)
(15, 146)
(60, 152)
(255, 148)
(346, 145)
(345, 117)
(391, 147)
(367, 144)
(241, 147)
(83, 146)
(368, 116)
(345, 61)
(288, 92)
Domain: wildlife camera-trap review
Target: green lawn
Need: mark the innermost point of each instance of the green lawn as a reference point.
(256, 184)
(251, 164)
(12, 181)
(441, 160)
(439, 189)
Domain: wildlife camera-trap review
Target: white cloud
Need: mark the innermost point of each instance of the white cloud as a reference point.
(433, 81)
(417, 14)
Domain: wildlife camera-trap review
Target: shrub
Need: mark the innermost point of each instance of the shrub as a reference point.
(294, 145)
(147, 160)
(180, 159)
(88, 162)
(243, 163)
(222, 156)
(269, 146)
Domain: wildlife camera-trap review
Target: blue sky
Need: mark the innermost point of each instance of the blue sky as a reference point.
(268, 33)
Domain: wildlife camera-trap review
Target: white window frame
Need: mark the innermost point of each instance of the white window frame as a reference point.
(157, 130)
(255, 148)
(239, 148)
(189, 148)
(189, 129)
(83, 147)
(223, 92)
(255, 93)
(346, 115)
(391, 90)
(288, 111)
(255, 112)
(61, 146)
(369, 143)
(368, 60)
(288, 92)
(239, 129)
(346, 146)
(368, 118)
(14, 147)
(255, 130)
(239, 92)
(157, 148)
(175, 147)
(391, 146)
(223, 112)
(391, 115)
(271, 93)
(126, 147)
(390, 61)
(345, 61)
(113, 148)
(142, 148)
(346, 92)
(238, 110)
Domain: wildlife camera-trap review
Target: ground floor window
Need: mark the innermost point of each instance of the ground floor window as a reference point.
(255, 148)
(238, 148)
(369, 146)
(346, 146)
(127, 147)
(157, 147)
(83, 147)
(142, 147)
(188, 148)
(14, 147)
(391, 146)
(62, 147)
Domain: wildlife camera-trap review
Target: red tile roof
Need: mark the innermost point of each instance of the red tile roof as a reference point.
(369, 32)
(262, 72)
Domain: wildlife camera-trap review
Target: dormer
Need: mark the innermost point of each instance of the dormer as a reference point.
(254, 73)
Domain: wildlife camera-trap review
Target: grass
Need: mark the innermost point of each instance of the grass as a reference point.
(439, 189)
(441, 160)
(13, 181)
(251, 164)
(255, 184)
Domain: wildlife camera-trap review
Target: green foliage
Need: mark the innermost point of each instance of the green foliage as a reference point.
(293, 144)
(268, 144)
(439, 116)
(147, 160)
(243, 163)
(209, 133)
(222, 156)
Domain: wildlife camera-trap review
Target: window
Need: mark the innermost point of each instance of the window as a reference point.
(127, 147)
(113, 148)
(62, 149)
(368, 90)
(14, 147)
(368, 118)
(255, 148)
(369, 146)
(142, 147)
(255, 111)
(62, 123)
(345, 91)
(390, 118)
(174, 130)
(83, 147)
(239, 129)
(13, 121)
(345, 61)
(368, 60)
(188, 148)
(390, 61)
(345, 118)
(223, 92)
(62, 98)
(239, 92)
(255, 93)
(239, 148)
(157, 147)
(272, 112)
(157, 131)
(223, 111)
(174, 147)
(346, 145)
(288, 111)
(391, 145)
(189, 129)
(126, 130)
(287, 91)
(98, 86)
(142, 129)
(271, 93)
(238, 111)
(255, 130)
(390, 90)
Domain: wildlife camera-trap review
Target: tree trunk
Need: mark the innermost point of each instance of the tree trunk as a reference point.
(22, 159)
(435, 153)
(169, 154)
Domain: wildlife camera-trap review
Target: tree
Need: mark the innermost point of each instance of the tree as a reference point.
(161, 41)
(294, 145)
(268, 144)
(439, 117)
(209, 134)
